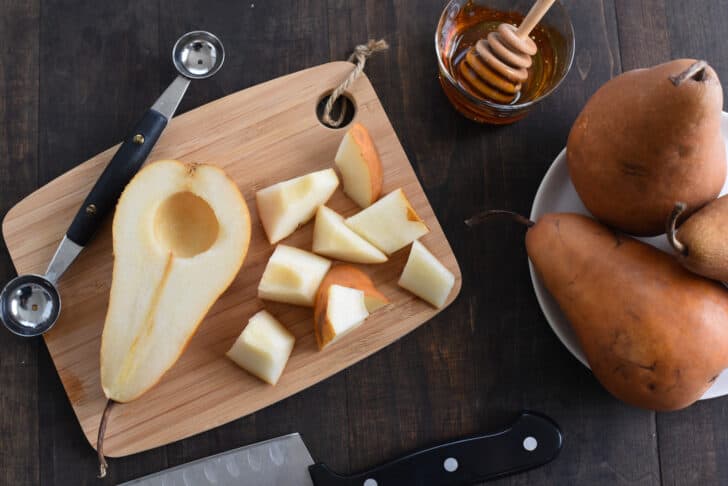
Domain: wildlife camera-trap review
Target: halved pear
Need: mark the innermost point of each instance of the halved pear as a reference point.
(334, 239)
(180, 234)
(285, 206)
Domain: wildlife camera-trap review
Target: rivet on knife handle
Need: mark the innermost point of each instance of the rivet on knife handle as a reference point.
(531, 441)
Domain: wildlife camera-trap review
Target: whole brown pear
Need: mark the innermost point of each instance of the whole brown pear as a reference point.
(701, 241)
(655, 335)
(646, 139)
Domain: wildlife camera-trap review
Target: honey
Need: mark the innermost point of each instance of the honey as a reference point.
(462, 26)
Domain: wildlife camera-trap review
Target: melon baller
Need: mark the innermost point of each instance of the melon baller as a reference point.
(30, 304)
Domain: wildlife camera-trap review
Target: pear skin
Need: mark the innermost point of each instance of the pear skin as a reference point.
(701, 241)
(655, 335)
(646, 139)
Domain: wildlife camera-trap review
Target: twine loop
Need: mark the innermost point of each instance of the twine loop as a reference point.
(359, 58)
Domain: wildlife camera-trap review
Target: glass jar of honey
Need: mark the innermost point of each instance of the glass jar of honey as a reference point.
(464, 22)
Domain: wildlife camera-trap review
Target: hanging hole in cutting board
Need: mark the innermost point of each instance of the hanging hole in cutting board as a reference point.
(344, 100)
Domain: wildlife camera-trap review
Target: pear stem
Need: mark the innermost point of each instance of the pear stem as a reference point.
(671, 232)
(695, 71)
(103, 465)
(479, 218)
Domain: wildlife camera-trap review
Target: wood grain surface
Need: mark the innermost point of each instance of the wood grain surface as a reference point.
(258, 136)
(467, 370)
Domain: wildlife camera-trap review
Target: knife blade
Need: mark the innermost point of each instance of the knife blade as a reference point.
(282, 461)
(532, 440)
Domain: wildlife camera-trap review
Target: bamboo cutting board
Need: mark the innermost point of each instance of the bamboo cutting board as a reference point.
(259, 136)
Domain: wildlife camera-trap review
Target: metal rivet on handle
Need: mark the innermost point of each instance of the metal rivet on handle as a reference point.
(91, 209)
(530, 443)
(138, 139)
(450, 464)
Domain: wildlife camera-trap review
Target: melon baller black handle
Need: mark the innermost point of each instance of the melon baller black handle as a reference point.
(126, 162)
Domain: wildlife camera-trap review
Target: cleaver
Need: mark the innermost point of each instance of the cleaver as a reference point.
(530, 441)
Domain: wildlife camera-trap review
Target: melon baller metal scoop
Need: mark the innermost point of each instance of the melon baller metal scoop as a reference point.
(30, 304)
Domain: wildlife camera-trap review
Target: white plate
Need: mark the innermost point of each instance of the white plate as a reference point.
(557, 194)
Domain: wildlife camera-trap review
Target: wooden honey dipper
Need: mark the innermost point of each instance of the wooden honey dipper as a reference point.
(496, 66)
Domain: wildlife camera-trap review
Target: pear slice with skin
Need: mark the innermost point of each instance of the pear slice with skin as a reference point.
(390, 224)
(348, 276)
(343, 309)
(334, 239)
(360, 165)
(180, 235)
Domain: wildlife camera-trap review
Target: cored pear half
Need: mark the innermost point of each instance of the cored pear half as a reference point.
(180, 234)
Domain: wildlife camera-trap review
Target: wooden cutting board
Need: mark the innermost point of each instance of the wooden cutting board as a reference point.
(259, 136)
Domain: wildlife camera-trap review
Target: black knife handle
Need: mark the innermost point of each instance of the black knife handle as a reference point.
(531, 441)
(126, 162)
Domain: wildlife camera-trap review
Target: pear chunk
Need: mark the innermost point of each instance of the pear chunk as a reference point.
(334, 239)
(180, 234)
(340, 310)
(285, 206)
(263, 348)
(390, 224)
(292, 276)
(426, 277)
(349, 276)
(360, 166)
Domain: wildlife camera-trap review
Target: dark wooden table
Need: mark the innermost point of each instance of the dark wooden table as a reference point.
(75, 75)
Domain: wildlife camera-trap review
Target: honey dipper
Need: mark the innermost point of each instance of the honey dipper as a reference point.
(496, 66)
